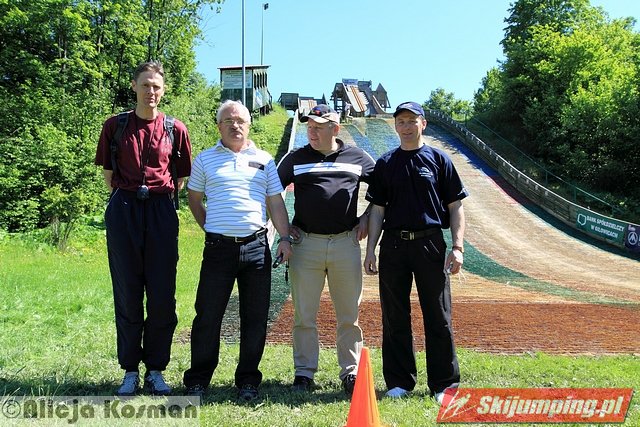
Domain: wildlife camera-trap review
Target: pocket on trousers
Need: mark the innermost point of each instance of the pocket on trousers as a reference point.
(109, 202)
(112, 195)
(298, 240)
(213, 243)
(353, 234)
(434, 250)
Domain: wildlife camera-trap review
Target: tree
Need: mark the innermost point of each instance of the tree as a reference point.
(599, 122)
(568, 92)
(197, 108)
(525, 45)
(65, 65)
(447, 103)
(488, 98)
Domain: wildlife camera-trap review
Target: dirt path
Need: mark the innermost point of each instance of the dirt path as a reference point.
(500, 327)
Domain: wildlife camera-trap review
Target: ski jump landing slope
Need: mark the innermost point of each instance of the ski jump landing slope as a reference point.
(527, 284)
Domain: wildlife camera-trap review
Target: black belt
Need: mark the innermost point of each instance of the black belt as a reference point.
(133, 194)
(246, 239)
(413, 235)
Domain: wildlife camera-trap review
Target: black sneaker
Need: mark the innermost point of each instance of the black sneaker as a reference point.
(247, 393)
(302, 383)
(348, 383)
(196, 391)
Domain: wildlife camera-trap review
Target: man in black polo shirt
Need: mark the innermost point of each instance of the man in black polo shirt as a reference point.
(417, 193)
(326, 175)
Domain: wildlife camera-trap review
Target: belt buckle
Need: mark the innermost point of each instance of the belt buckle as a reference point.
(238, 239)
(407, 235)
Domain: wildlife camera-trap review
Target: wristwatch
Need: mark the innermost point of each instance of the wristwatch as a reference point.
(460, 248)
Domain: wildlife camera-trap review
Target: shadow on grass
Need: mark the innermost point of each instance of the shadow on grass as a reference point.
(280, 393)
(53, 387)
(271, 392)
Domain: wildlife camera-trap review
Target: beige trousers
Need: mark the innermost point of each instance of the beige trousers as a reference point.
(336, 258)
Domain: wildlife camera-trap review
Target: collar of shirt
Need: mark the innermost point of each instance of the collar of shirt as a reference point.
(250, 149)
(341, 147)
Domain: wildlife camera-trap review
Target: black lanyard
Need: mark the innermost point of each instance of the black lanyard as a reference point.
(144, 163)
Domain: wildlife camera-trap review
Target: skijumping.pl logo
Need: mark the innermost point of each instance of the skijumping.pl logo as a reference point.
(535, 405)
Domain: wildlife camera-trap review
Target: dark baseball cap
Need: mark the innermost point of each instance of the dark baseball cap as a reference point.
(321, 113)
(414, 107)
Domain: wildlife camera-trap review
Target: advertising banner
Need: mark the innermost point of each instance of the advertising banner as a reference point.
(631, 238)
(601, 226)
(232, 79)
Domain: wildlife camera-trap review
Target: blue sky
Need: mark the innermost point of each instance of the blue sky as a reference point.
(411, 47)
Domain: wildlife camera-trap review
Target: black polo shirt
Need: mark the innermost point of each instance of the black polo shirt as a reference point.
(326, 187)
(415, 187)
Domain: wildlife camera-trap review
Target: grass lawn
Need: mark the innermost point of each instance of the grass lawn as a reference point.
(58, 338)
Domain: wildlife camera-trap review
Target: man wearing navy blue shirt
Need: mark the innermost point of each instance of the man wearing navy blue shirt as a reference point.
(415, 194)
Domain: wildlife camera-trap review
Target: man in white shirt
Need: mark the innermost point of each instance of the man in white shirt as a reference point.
(240, 183)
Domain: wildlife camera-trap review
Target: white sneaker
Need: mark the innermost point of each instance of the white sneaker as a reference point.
(154, 382)
(439, 397)
(397, 392)
(129, 386)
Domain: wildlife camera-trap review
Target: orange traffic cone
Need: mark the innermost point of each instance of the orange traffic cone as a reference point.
(364, 406)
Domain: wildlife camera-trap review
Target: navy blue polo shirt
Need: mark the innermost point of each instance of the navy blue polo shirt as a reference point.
(415, 187)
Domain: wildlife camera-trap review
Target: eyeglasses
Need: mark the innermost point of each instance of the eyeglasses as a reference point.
(231, 122)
